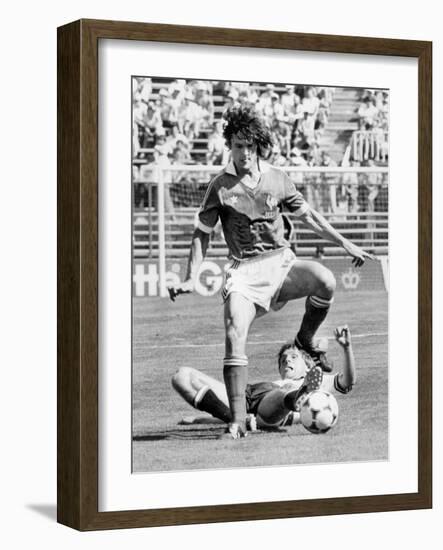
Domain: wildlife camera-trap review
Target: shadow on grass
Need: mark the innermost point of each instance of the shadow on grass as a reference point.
(196, 433)
(174, 434)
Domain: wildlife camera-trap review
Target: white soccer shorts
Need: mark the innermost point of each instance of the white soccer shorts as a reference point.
(259, 279)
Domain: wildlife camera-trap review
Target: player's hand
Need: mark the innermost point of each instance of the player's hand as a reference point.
(343, 336)
(358, 254)
(183, 288)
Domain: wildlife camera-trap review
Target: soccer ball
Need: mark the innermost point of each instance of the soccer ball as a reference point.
(319, 412)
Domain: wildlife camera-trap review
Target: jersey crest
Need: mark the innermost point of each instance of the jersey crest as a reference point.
(271, 206)
(271, 202)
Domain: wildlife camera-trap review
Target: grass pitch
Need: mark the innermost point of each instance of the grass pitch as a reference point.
(190, 332)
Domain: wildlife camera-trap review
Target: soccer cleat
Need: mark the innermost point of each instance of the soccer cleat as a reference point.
(313, 379)
(311, 382)
(317, 355)
(234, 431)
(251, 423)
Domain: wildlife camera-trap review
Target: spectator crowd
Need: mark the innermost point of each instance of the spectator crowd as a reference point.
(373, 112)
(176, 118)
(372, 139)
(179, 123)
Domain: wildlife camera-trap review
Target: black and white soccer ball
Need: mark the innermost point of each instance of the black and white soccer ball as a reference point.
(319, 412)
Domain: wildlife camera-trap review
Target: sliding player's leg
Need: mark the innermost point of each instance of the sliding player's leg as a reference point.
(202, 392)
(276, 404)
(239, 314)
(312, 280)
(272, 409)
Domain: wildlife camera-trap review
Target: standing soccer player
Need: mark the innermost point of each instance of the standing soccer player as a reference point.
(264, 273)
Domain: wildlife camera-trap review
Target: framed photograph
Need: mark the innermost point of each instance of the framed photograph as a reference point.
(244, 275)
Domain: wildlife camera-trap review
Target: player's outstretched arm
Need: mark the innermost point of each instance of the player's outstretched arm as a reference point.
(199, 246)
(320, 226)
(347, 378)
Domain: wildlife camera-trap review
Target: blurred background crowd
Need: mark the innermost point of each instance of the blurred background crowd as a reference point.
(183, 119)
(179, 122)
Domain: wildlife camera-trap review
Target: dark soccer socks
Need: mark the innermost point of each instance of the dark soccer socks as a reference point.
(207, 401)
(316, 310)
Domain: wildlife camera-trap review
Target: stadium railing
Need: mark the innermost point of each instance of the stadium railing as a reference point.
(353, 200)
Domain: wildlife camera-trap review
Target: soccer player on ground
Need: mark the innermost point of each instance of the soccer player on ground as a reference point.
(274, 403)
(248, 196)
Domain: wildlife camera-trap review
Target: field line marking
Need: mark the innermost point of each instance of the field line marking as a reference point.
(261, 342)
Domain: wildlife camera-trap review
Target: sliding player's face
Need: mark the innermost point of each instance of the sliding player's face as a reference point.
(292, 365)
(244, 154)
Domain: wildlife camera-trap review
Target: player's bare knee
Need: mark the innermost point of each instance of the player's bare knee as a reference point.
(182, 375)
(326, 284)
(176, 379)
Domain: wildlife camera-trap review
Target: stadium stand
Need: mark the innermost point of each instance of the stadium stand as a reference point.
(177, 129)
(298, 115)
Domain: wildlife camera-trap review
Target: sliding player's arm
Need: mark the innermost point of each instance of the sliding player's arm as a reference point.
(321, 227)
(345, 380)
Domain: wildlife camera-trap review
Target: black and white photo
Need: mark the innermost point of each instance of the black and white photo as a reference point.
(260, 274)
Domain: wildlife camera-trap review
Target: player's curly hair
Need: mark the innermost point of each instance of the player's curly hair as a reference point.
(290, 345)
(245, 120)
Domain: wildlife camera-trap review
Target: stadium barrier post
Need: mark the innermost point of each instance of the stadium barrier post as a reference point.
(161, 232)
(150, 228)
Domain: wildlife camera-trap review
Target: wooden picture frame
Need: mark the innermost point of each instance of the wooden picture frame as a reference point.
(77, 458)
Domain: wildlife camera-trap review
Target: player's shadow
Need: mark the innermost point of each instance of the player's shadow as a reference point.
(206, 432)
(175, 434)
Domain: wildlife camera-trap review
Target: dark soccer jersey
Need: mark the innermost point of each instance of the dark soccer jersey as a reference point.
(251, 218)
